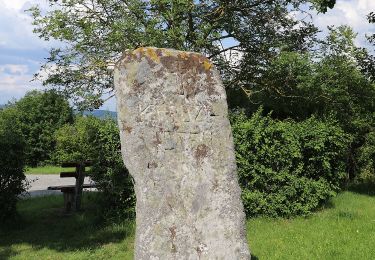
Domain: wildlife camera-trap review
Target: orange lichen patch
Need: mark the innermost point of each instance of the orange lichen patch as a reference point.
(207, 65)
(148, 52)
(151, 53)
(139, 50)
(183, 55)
(168, 57)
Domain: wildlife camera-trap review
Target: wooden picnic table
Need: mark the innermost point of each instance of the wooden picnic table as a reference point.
(73, 193)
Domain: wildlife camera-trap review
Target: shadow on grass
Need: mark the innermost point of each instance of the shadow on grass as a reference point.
(6, 253)
(363, 188)
(44, 225)
(328, 204)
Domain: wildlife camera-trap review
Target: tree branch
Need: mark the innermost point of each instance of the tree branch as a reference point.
(224, 50)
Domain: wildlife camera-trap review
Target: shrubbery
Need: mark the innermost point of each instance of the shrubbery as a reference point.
(76, 142)
(90, 138)
(288, 168)
(12, 177)
(366, 159)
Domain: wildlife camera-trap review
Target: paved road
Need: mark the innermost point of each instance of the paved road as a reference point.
(40, 183)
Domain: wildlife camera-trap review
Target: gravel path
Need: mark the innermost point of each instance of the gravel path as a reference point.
(40, 183)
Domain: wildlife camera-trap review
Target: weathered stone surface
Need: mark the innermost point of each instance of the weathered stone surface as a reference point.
(177, 144)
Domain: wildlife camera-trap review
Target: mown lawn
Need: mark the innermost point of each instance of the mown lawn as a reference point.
(46, 233)
(345, 229)
(49, 169)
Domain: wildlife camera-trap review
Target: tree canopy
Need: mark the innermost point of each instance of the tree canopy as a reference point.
(40, 114)
(94, 33)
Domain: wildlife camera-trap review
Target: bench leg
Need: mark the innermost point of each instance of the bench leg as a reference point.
(68, 201)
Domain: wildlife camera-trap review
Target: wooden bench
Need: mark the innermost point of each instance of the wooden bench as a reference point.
(73, 193)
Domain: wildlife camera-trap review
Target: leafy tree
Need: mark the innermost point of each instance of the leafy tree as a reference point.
(329, 80)
(12, 153)
(40, 115)
(333, 81)
(365, 59)
(323, 5)
(95, 33)
(371, 19)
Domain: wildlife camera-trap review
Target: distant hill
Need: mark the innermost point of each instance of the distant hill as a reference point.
(97, 113)
(101, 113)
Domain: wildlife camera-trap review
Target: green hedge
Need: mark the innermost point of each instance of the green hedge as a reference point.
(287, 168)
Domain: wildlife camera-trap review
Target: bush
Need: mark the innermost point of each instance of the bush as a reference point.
(90, 138)
(12, 177)
(111, 175)
(76, 142)
(366, 159)
(287, 168)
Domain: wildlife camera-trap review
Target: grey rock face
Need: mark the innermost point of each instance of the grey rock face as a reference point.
(177, 144)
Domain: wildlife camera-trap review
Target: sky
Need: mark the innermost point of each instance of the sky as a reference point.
(22, 52)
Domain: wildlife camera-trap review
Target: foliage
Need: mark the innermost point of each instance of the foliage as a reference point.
(288, 168)
(298, 85)
(74, 141)
(371, 19)
(110, 174)
(337, 80)
(40, 114)
(95, 33)
(366, 159)
(323, 5)
(90, 138)
(12, 177)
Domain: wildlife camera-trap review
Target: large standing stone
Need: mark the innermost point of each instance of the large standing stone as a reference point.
(177, 144)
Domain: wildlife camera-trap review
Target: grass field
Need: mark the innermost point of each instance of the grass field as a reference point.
(345, 229)
(46, 233)
(49, 169)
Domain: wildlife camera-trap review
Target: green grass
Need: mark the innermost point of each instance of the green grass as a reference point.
(49, 169)
(46, 233)
(344, 229)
